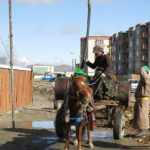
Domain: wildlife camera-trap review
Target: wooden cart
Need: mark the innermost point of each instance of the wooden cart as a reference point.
(112, 111)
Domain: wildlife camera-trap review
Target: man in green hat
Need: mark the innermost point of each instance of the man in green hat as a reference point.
(141, 109)
(105, 87)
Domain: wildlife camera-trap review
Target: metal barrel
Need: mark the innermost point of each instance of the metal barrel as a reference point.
(60, 88)
(123, 93)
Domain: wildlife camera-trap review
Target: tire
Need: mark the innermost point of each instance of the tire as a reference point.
(119, 126)
(59, 124)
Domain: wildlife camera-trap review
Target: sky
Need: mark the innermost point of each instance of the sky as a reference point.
(49, 31)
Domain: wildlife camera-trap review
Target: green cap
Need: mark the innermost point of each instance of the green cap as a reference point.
(145, 68)
(78, 71)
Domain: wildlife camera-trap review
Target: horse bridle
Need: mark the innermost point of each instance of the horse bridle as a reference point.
(84, 101)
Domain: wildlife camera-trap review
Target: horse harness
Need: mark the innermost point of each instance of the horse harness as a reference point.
(86, 104)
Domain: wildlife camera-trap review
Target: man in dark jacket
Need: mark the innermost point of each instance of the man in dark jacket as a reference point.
(106, 87)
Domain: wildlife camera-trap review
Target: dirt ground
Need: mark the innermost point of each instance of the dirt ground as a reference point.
(28, 136)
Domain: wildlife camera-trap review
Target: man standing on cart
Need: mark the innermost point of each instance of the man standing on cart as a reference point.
(105, 87)
(141, 109)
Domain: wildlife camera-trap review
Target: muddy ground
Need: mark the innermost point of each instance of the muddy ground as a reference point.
(34, 128)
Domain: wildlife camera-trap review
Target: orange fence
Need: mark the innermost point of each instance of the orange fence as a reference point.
(22, 88)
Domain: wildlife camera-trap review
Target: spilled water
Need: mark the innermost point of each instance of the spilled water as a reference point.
(39, 124)
(98, 134)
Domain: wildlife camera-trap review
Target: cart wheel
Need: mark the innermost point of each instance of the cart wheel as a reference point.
(55, 104)
(59, 124)
(119, 126)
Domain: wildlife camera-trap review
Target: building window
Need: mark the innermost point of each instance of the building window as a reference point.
(130, 33)
(130, 55)
(130, 43)
(115, 68)
(137, 52)
(137, 42)
(114, 49)
(119, 57)
(137, 65)
(99, 42)
(137, 31)
(130, 65)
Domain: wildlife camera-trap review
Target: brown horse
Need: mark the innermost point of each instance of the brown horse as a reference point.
(79, 101)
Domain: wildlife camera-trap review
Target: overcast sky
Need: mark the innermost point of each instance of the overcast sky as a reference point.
(47, 31)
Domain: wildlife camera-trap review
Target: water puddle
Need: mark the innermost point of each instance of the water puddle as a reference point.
(103, 135)
(96, 135)
(99, 135)
(40, 124)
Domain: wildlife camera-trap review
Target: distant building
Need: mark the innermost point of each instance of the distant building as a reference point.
(93, 41)
(40, 70)
(131, 50)
(67, 73)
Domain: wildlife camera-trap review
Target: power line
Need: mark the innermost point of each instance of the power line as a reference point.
(4, 47)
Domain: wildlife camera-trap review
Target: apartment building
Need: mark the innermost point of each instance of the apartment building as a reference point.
(131, 50)
(93, 41)
(120, 52)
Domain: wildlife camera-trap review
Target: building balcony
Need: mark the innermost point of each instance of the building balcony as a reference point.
(144, 58)
(144, 46)
(144, 35)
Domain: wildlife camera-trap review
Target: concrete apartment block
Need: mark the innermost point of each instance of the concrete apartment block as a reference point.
(131, 50)
(93, 41)
(120, 49)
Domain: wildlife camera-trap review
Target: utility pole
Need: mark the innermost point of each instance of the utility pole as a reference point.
(87, 33)
(75, 63)
(11, 62)
(72, 64)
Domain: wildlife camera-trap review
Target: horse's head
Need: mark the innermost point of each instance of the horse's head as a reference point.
(83, 91)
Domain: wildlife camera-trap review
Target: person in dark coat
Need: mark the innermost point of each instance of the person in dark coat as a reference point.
(106, 87)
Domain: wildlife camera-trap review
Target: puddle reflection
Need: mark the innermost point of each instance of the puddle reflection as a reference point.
(97, 134)
(39, 124)
(101, 135)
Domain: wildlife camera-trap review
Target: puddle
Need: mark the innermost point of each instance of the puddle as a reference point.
(43, 124)
(99, 135)
(40, 124)
(103, 135)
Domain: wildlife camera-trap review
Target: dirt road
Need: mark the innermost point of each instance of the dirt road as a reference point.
(35, 128)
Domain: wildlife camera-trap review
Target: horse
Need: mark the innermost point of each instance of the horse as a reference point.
(80, 99)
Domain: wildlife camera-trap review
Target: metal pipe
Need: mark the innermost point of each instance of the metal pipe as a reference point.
(11, 62)
(75, 63)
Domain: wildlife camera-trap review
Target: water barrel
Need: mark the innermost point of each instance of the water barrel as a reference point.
(123, 93)
(60, 88)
